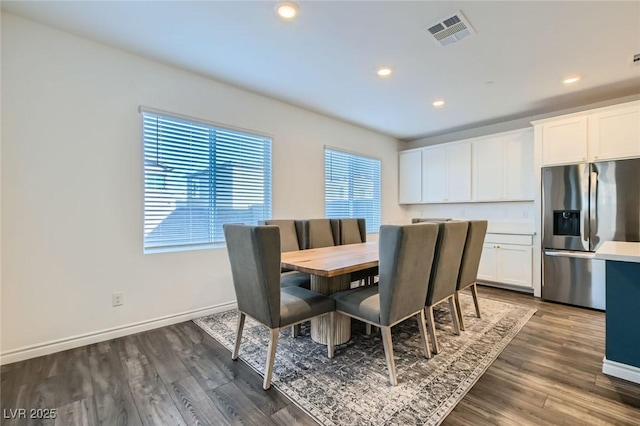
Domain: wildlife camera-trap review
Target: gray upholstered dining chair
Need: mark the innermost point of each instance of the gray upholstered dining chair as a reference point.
(354, 231)
(320, 233)
(444, 274)
(291, 233)
(406, 256)
(291, 239)
(470, 263)
(254, 254)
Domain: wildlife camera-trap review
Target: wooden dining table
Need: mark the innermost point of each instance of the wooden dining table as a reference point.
(330, 269)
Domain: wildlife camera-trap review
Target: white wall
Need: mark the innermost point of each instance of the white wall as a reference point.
(72, 186)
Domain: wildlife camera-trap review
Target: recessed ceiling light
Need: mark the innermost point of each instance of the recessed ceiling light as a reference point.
(571, 80)
(438, 104)
(287, 10)
(384, 71)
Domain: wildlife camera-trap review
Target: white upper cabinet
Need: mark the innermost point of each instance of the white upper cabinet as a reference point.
(446, 173)
(434, 174)
(564, 141)
(488, 179)
(491, 168)
(458, 172)
(602, 134)
(615, 133)
(503, 167)
(410, 177)
(518, 165)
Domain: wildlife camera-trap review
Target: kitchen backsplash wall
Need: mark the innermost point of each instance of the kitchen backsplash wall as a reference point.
(501, 216)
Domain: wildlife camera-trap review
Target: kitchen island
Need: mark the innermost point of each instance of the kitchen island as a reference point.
(622, 350)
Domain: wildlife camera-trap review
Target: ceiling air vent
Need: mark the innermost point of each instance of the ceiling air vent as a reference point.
(451, 29)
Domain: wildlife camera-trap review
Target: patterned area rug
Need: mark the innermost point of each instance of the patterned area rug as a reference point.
(353, 388)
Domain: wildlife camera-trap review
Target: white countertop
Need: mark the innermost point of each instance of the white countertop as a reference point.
(620, 251)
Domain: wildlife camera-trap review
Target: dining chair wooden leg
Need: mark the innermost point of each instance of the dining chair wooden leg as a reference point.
(431, 323)
(423, 334)
(474, 293)
(367, 328)
(332, 334)
(388, 352)
(454, 316)
(236, 347)
(271, 357)
(456, 298)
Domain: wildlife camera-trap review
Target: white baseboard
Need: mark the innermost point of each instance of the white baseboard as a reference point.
(58, 345)
(519, 289)
(621, 371)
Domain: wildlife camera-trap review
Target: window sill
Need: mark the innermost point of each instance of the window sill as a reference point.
(155, 250)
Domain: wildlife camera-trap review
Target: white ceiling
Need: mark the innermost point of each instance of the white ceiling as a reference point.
(326, 59)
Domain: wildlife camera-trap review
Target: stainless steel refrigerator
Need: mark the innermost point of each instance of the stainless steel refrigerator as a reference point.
(583, 206)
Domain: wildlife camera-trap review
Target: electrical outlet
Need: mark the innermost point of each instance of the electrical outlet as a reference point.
(117, 299)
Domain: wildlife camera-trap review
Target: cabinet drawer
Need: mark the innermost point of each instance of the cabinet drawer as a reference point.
(518, 239)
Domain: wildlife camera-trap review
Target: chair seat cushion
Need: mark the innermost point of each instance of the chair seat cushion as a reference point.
(298, 304)
(298, 279)
(362, 302)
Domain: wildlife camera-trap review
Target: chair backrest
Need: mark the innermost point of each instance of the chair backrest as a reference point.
(472, 251)
(291, 238)
(254, 254)
(446, 263)
(353, 231)
(321, 233)
(406, 257)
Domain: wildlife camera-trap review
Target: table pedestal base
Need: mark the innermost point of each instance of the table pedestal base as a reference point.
(320, 325)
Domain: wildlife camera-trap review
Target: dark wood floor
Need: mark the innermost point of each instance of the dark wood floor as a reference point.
(549, 374)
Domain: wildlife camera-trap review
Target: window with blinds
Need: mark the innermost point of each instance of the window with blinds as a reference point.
(352, 187)
(198, 177)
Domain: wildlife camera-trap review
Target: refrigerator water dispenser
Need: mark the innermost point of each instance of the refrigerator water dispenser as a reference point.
(566, 223)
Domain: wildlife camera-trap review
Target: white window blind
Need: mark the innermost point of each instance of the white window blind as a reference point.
(352, 187)
(197, 177)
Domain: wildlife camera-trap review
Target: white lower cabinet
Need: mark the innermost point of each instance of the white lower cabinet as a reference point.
(507, 263)
(514, 265)
(488, 269)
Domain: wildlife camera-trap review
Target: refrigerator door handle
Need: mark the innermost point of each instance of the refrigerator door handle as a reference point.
(585, 207)
(593, 208)
(574, 254)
